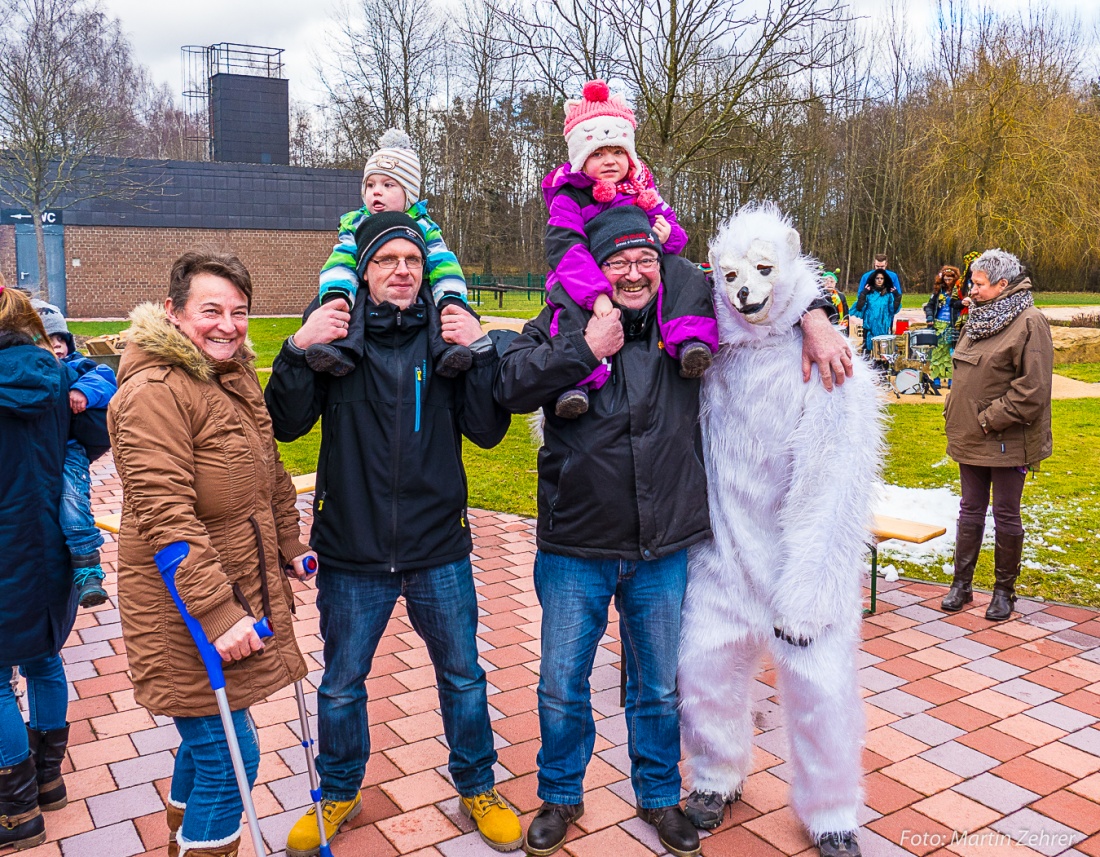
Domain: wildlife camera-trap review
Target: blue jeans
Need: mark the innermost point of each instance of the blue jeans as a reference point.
(575, 594)
(47, 702)
(203, 779)
(82, 536)
(354, 609)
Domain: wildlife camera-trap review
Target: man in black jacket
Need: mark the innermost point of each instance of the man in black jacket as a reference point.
(621, 496)
(390, 517)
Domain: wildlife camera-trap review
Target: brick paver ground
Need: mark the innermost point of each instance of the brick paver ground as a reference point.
(972, 727)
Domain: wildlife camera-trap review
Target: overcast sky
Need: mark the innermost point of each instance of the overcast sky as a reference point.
(159, 30)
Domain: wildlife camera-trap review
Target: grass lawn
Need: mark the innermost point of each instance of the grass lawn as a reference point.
(1061, 508)
(1088, 372)
(916, 300)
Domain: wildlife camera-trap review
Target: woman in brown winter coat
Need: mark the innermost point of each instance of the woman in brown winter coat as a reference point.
(193, 445)
(998, 421)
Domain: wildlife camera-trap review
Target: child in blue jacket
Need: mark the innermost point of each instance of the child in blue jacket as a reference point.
(91, 386)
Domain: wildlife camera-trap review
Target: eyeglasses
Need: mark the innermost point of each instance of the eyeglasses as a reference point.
(644, 266)
(389, 263)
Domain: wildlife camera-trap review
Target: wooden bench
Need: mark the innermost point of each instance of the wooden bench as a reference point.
(302, 484)
(885, 528)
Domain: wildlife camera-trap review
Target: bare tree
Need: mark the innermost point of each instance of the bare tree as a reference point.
(68, 88)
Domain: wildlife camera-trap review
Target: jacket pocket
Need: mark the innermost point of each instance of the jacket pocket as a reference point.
(558, 490)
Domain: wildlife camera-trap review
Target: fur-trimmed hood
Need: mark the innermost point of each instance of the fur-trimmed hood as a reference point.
(152, 341)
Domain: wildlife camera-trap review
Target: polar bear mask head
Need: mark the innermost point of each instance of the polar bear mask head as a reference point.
(762, 282)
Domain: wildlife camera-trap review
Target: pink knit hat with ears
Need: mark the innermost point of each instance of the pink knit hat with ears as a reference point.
(599, 119)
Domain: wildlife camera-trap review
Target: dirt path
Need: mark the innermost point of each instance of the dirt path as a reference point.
(1063, 388)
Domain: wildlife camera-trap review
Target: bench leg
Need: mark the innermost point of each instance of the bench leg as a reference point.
(870, 611)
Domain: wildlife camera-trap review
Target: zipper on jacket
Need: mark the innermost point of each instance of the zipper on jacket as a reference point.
(396, 454)
(420, 370)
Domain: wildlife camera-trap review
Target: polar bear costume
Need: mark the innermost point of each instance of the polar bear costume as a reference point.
(791, 472)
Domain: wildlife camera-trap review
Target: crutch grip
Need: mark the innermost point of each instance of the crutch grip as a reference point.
(168, 560)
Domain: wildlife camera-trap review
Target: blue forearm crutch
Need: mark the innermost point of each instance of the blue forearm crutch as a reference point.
(168, 560)
(307, 742)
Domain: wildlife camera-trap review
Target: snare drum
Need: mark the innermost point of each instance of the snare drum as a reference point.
(884, 348)
(921, 338)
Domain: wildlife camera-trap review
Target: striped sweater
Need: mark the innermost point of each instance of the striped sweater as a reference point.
(444, 273)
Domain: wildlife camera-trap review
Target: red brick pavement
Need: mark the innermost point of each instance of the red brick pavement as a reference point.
(992, 731)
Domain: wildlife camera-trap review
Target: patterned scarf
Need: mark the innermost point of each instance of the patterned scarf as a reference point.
(995, 316)
(635, 184)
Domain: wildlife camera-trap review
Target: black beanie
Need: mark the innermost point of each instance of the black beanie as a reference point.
(381, 228)
(619, 228)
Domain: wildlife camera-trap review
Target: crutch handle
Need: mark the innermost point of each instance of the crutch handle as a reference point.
(168, 561)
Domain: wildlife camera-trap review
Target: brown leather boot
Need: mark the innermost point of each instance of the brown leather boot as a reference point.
(175, 822)
(228, 850)
(1007, 552)
(968, 544)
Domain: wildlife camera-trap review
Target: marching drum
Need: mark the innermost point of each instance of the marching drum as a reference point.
(907, 382)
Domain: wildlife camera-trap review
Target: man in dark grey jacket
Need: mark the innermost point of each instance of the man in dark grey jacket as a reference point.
(622, 495)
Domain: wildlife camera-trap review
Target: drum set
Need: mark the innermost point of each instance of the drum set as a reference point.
(905, 359)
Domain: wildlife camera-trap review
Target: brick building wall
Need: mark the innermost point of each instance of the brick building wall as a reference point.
(122, 266)
(7, 254)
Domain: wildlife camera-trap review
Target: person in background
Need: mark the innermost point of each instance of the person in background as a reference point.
(829, 284)
(193, 446)
(38, 603)
(878, 303)
(941, 312)
(997, 420)
(91, 391)
(880, 264)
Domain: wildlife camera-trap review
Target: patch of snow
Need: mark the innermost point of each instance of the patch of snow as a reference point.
(936, 506)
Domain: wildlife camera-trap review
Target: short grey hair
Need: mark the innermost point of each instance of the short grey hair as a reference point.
(998, 265)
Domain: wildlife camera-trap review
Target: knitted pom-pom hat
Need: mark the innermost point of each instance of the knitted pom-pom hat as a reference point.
(395, 158)
(599, 119)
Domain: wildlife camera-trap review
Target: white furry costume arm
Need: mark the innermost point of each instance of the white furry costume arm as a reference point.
(836, 451)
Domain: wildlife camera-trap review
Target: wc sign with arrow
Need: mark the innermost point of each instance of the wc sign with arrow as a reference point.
(50, 217)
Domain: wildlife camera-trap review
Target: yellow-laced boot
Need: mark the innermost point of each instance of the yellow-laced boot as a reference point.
(495, 821)
(304, 840)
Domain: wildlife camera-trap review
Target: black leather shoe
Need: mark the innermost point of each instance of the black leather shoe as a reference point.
(838, 845)
(676, 833)
(695, 359)
(571, 404)
(549, 826)
(328, 360)
(707, 810)
(453, 361)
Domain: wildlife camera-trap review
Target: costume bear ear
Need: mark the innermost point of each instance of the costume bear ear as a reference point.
(794, 243)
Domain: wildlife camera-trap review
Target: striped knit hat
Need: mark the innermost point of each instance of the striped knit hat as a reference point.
(599, 119)
(395, 158)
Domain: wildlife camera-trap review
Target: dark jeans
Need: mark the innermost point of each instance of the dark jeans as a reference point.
(203, 780)
(47, 702)
(575, 594)
(354, 609)
(1007, 484)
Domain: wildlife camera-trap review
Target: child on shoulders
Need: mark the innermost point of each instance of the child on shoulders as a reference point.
(604, 171)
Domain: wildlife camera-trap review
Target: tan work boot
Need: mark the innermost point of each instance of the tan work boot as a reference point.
(304, 839)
